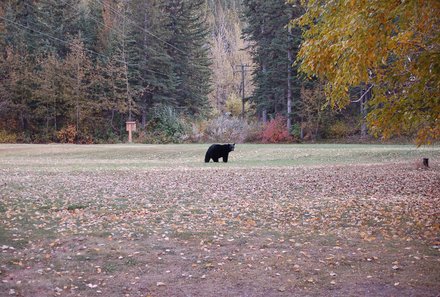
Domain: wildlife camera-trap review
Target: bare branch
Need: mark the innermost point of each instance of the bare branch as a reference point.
(363, 95)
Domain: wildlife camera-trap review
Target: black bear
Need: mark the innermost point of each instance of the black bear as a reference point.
(217, 151)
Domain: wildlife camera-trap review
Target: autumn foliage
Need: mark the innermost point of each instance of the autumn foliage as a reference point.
(390, 45)
(276, 131)
(67, 134)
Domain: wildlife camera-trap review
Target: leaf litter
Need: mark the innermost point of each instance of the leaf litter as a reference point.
(288, 231)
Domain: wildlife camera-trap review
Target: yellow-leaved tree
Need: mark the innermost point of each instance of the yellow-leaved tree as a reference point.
(392, 46)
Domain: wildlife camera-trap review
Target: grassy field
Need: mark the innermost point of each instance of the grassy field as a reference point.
(141, 157)
(276, 220)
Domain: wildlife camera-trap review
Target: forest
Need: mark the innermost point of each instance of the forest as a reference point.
(74, 71)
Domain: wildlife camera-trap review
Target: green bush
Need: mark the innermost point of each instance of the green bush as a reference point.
(165, 126)
(295, 130)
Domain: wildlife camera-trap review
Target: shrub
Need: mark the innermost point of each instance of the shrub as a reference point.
(226, 129)
(295, 130)
(67, 134)
(6, 137)
(166, 126)
(254, 132)
(339, 130)
(276, 131)
(107, 136)
(197, 133)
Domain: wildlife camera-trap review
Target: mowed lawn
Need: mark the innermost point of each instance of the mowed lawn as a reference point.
(276, 220)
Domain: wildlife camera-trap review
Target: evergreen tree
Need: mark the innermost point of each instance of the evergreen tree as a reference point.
(272, 45)
(111, 89)
(77, 70)
(190, 51)
(60, 21)
(49, 96)
(154, 66)
(17, 87)
(17, 64)
(20, 18)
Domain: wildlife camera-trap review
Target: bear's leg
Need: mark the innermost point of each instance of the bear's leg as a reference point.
(225, 158)
(207, 157)
(215, 159)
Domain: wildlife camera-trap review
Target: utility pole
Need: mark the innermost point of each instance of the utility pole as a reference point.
(243, 68)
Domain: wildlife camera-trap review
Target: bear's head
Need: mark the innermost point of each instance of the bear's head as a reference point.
(231, 147)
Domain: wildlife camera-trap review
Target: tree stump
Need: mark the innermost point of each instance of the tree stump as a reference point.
(425, 162)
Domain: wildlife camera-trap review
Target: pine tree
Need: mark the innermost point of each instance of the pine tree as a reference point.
(60, 20)
(77, 70)
(18, 85)
(190, 52)
(154, 66)
(112, 90)
(17, 64)
(20, 18)
(49, 95)
(273, 49)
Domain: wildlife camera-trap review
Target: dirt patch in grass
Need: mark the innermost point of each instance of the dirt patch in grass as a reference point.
(352, 230)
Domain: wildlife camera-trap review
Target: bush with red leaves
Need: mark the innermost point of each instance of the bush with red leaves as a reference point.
(276, 131)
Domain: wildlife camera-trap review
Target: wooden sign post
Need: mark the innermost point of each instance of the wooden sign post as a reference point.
(130, 126)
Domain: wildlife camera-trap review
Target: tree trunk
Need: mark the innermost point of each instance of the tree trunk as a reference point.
(289, 81)
(364, 123)
(78, 85)
(144, 118)
(243, 93)
(366, 96)
(426, 162)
